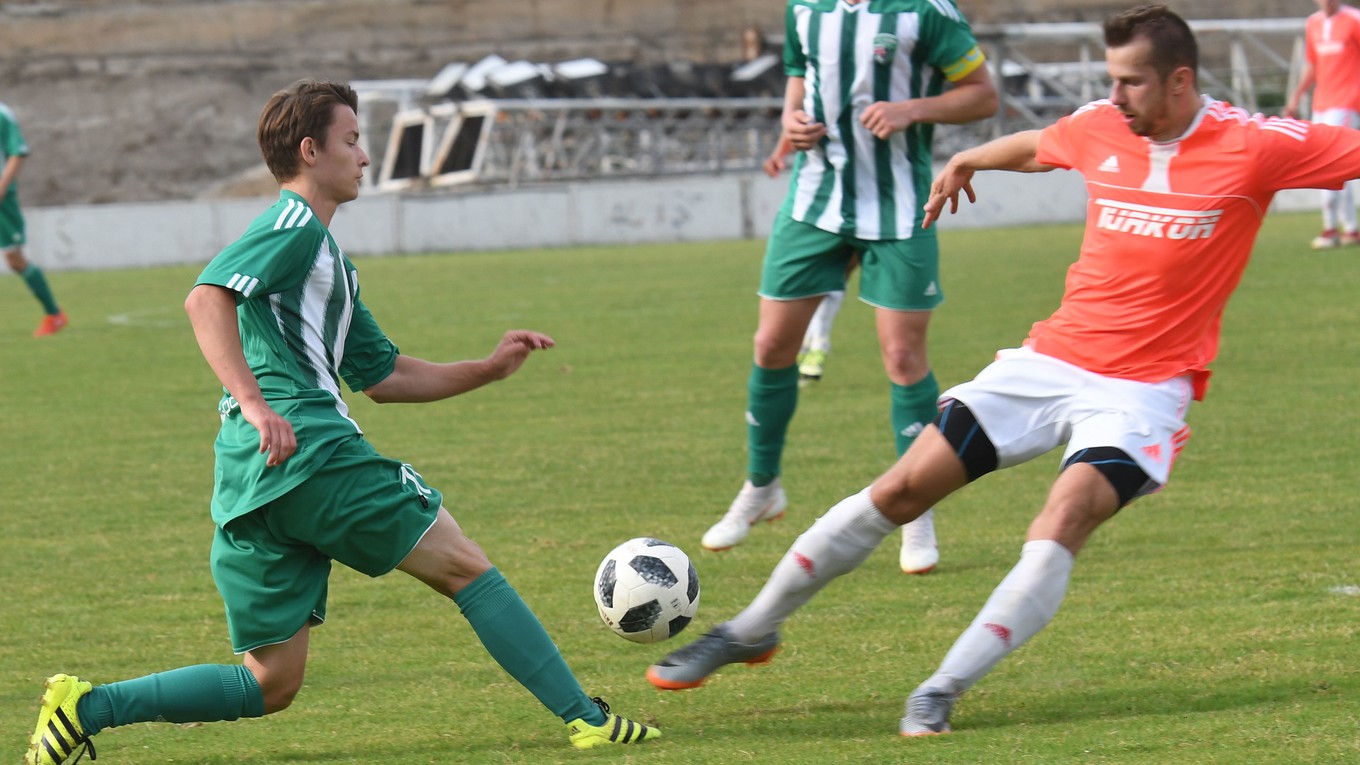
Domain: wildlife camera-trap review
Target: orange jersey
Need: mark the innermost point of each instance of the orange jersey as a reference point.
(1169, 230)
(1333, 48)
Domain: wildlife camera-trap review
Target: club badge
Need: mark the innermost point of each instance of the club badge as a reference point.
(885, 47)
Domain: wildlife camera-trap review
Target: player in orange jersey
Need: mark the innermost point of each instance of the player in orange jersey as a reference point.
(1179, 185)
(1332, 45)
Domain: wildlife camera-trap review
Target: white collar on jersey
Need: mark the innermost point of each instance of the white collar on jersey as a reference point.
(1205, 101)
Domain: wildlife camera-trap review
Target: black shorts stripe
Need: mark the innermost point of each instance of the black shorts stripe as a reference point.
(1128, 480)
(960, 428)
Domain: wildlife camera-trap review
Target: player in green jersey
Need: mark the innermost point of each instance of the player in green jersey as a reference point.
(865, 90)
(279, 318)
(816, 345)
(13, 152)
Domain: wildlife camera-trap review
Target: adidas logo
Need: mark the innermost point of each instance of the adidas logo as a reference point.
(932, 290)
(913, 430)
(752, 421)
(1110, 165)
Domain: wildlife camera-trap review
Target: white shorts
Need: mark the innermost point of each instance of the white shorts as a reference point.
(1338, 117)
(1028, 403)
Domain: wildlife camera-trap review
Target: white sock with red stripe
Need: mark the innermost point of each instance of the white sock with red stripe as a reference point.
(1019, 607)
(836, 544)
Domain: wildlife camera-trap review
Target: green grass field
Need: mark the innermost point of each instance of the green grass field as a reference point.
(1216, 622)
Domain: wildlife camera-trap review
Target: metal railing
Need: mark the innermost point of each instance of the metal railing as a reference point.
(1043, 72)
(1048, 70)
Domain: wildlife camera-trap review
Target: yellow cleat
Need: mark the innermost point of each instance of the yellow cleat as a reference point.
(614, 730)
(59, 738)
(811, 366)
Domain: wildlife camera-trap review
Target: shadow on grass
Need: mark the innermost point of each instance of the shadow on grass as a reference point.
(1120, 703)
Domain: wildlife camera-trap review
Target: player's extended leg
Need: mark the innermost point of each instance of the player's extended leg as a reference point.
(902, 337)
(1350, 227)
(73, 710)
(455, 566)
(1083, 497)
(772, 397)
(1331, 214)
(55, 319)
(817, 339)
(1338, 207)
(835, 545)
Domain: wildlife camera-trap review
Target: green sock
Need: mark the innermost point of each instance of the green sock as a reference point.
(517, 641)
(37, 284)
(201, 693)
(913, 408)
(771, 398)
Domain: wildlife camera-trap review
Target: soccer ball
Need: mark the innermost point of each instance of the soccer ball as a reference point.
(646, 590)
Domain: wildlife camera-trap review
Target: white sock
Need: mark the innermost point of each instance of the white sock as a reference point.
(818, 335)
(836, 544)
(1019, 607)
(1346, 204)
(1330, 209)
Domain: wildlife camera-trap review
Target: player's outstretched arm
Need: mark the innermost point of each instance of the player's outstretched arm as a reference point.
(10, 173)
(212, 312)
(778, 159)
(416, 381)
(1306, 80)
(1015, 152)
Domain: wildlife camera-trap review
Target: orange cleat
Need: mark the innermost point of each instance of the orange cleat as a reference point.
(51, 324)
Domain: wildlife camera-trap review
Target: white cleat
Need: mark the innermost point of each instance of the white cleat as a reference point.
(1327, 240)
(920, 552)
(752, 505)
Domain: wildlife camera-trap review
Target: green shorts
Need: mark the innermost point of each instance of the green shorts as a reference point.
(11, 224)
(272, 564)
(802, 261)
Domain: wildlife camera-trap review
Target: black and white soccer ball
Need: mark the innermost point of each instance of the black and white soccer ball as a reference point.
(646, 590)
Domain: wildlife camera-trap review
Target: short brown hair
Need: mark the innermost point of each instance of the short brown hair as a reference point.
(305, 109)
(1173, 44)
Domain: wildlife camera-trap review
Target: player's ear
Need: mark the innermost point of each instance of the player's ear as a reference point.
(1181, 80)
(307, 150)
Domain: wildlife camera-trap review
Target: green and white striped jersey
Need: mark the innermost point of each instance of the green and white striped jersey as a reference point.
(303, 328)
(12, 142)
(851, 56)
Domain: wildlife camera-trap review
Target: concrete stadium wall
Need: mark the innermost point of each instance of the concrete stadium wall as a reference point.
(92, 237)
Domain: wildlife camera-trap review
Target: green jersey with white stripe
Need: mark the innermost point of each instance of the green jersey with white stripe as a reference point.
(851, 56)
(303, 328)
(12, 142)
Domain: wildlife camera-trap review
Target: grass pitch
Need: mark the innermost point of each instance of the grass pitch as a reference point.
(1215, 622)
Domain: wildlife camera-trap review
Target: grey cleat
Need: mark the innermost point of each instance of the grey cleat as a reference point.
(691, 665)
(928, 712)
